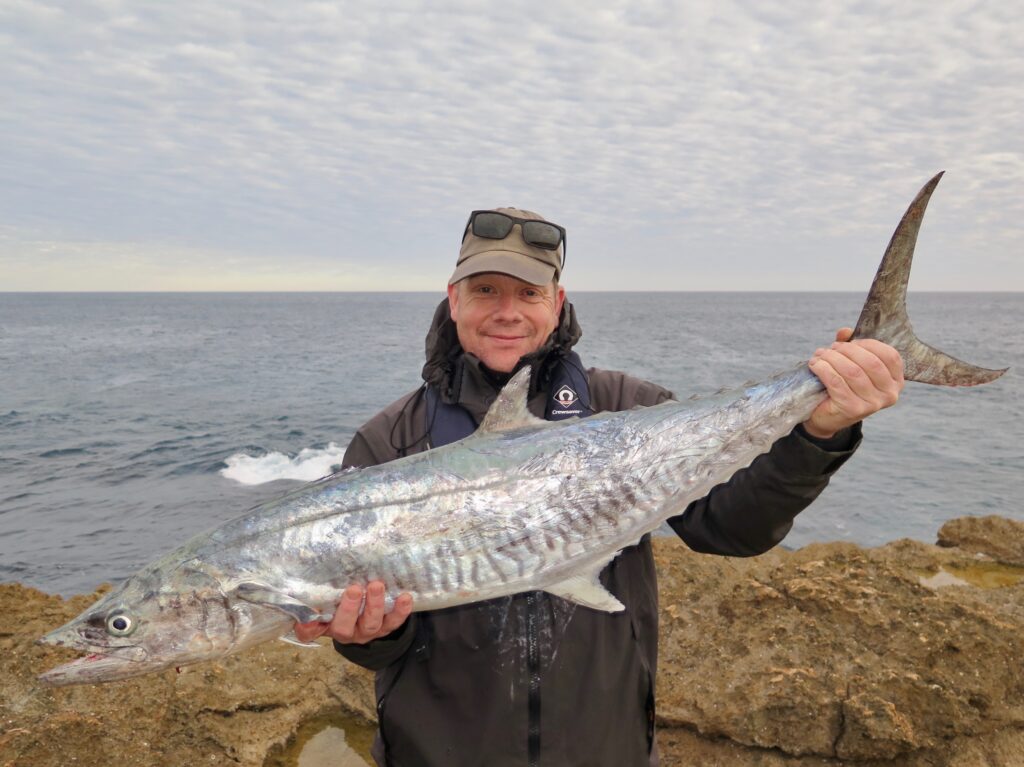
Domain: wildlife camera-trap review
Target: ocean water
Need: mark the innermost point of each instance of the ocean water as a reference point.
(130, 422)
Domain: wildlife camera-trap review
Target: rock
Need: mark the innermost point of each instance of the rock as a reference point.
(831, 655)
(231, 712)
(997, 537)
(838, 653)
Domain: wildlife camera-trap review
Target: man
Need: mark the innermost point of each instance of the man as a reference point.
(532, 679)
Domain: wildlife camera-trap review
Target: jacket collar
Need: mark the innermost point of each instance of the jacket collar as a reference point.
(462, 379)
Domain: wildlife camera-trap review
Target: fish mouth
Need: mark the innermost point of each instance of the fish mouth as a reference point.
(102, 664)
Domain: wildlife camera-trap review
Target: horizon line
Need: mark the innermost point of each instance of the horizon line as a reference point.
(441, 292)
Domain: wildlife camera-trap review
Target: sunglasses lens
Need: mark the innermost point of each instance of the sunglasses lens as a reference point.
(542, 235)
(493, 226)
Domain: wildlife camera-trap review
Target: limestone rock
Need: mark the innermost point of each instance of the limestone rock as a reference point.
(830, 655)
(231, 712)
(997, 537)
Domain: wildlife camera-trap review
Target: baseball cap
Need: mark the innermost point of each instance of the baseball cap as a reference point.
(511, 255)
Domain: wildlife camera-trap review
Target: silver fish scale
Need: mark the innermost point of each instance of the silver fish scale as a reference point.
(505, 512)
(516, 507)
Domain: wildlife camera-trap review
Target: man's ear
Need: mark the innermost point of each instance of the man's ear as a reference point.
(453, 301)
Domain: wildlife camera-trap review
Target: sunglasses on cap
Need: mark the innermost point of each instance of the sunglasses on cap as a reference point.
(497, 226)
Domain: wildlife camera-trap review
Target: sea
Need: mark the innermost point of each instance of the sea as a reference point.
(131, 422)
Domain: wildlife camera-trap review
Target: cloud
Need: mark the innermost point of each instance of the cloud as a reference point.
(702, 140)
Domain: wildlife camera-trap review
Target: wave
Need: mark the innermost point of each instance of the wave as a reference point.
(308, 465)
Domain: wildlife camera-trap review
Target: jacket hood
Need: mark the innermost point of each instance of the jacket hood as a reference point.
(457, 374)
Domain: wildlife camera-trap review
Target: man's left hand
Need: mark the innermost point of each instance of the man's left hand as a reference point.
(861, 378)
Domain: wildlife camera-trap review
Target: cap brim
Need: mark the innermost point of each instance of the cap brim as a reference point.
(505, 262)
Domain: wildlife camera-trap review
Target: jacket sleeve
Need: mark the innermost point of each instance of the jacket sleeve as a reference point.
(371, 446)
(754, 510)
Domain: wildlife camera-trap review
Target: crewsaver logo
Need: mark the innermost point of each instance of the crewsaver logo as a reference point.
(566, 397)
(566, 402)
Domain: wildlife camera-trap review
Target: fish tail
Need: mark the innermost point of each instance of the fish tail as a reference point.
(884, 315)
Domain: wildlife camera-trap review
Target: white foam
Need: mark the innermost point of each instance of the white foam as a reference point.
(308, 465)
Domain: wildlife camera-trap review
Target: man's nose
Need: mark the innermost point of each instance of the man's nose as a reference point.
(508, 308)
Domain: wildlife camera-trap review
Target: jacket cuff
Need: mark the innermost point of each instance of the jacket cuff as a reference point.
(804, 455)
(382, 652)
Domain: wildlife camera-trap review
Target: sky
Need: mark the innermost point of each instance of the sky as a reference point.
(340, 146)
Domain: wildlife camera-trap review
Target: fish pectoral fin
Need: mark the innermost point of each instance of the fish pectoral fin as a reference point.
(586, 590)
(290, 638)
(267, 596)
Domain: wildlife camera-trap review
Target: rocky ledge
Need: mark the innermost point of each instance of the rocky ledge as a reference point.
(907, 654)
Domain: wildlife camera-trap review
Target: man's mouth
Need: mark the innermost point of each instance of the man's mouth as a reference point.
(506, 339)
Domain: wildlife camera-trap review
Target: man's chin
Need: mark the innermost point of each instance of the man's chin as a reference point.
(502, 362)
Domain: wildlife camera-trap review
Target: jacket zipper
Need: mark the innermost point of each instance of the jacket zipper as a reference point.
(533, 669)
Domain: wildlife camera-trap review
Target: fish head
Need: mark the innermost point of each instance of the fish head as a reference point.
(150, 623)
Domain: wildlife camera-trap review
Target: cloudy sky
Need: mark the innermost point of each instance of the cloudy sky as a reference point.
(340, 145)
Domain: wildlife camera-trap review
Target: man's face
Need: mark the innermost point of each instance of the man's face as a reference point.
(500, 318)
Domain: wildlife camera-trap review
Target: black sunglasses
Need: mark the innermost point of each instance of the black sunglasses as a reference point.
(497, 226)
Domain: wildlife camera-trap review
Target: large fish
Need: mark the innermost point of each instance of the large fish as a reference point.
(522, 504)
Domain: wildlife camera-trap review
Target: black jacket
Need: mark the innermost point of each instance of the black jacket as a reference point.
(532, 679)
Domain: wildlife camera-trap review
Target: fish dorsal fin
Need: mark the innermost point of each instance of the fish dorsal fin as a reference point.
(509, 410)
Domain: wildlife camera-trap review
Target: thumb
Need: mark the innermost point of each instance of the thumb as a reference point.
(307, 632)
(844, 334)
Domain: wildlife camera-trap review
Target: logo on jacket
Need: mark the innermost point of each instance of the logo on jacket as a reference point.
(566, 397)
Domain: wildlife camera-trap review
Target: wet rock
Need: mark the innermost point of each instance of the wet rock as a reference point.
(831, 655)
(996, 537)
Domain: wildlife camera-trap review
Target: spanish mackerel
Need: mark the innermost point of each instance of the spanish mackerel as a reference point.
(522, 504)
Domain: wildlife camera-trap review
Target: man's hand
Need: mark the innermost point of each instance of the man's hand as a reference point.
(861, 377)
(349, 627)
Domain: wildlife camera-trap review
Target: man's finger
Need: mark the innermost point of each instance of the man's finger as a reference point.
(844, 334)
(865, 375)
(373, 613)
(875, 360)
(307, 632)
(882, 350)
(851, 390)
(887, 354)
(398, 615)
(838, 389)
(344, 624)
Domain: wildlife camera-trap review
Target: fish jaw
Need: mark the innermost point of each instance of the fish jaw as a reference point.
(101, 664)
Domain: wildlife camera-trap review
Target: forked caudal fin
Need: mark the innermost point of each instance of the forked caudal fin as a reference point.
(884, 315)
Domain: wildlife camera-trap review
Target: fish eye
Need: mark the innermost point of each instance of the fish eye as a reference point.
(120, 624)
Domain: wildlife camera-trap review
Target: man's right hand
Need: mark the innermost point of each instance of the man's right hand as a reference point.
(349, 627)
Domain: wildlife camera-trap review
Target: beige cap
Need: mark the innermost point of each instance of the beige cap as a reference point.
(512, 256)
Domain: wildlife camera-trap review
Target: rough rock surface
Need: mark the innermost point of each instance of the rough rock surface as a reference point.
(831, 655)
(996, 537)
